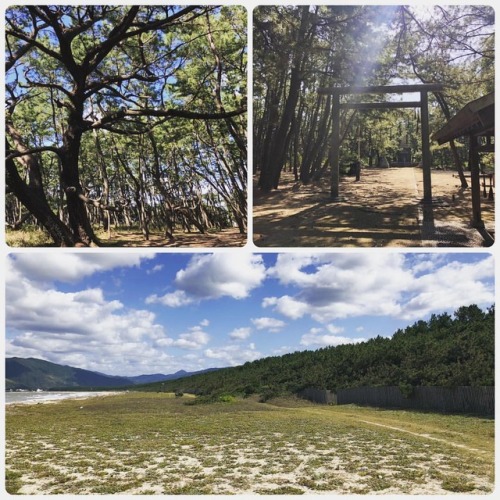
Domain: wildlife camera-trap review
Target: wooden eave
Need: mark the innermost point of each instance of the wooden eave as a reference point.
(475, 118)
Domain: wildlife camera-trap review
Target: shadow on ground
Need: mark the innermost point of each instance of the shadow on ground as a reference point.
(383, 209)
(224, 238)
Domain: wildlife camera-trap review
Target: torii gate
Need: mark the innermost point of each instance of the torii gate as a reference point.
(423, 104)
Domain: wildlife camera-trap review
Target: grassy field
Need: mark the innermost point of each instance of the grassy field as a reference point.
(149, 443)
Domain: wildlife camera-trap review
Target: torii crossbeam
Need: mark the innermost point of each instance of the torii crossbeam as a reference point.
(423, 104)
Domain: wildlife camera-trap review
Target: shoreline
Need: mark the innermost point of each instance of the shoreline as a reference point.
(46, 397)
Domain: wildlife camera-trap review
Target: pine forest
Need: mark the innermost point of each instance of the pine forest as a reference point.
(129, 117)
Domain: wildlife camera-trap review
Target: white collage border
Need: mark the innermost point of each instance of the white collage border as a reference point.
(249, 247)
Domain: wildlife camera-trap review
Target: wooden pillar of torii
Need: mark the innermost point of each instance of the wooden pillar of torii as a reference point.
(423, 89)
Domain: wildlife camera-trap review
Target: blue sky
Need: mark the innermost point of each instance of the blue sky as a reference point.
(133, 313)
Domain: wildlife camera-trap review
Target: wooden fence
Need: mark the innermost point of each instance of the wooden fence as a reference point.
(322, 396)
(474, 400)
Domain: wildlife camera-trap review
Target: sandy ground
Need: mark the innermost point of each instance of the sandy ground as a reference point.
(249, 474)
(309, 461)
(225, 238)
(382, 209)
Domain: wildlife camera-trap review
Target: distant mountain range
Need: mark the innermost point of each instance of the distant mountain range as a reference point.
(32, 374)
(159, 377)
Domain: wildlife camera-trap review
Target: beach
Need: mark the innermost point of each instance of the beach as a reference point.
(36, 397)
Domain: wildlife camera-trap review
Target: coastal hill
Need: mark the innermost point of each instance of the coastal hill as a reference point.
(446, 351)
(32, 374)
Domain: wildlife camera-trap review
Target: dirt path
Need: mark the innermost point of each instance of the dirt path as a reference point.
(427, 436)
(383, 209)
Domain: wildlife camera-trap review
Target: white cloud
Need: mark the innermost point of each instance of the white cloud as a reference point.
(287, 306)
(195, 338)
(218, 275)
(111, 359)
(289, 268)
(82, 313)
(240, 333)
(233, 355)
(79, 328)
(318, 338)
(214, 276)
(449, 287)
(85, 328)
(174, 299)
(425, 263)
(155, 269)
(100, 336)
(70, 267)
(334, 329)
(164, 342)
(270, 324)
(333, 286)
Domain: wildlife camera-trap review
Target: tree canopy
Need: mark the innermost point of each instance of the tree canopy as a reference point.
(133, 115)
(444, 351)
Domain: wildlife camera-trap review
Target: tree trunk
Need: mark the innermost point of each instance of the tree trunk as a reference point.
(274, 165)
(70, 180)
(38, 206)
(168, 208)
(270, 118)
(138, 193)
(105, 215)
(316, 143)
(143, 215)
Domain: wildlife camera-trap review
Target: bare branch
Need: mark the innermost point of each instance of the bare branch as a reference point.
(162, 113)
(12, 154)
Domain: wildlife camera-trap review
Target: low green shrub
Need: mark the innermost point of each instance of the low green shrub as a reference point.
(211, 399)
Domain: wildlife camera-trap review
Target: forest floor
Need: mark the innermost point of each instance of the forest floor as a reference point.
(126, 238)
(123, 237)
(155, 443)
(382, 209)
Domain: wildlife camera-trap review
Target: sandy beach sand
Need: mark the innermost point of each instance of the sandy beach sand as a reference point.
(145, 444)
